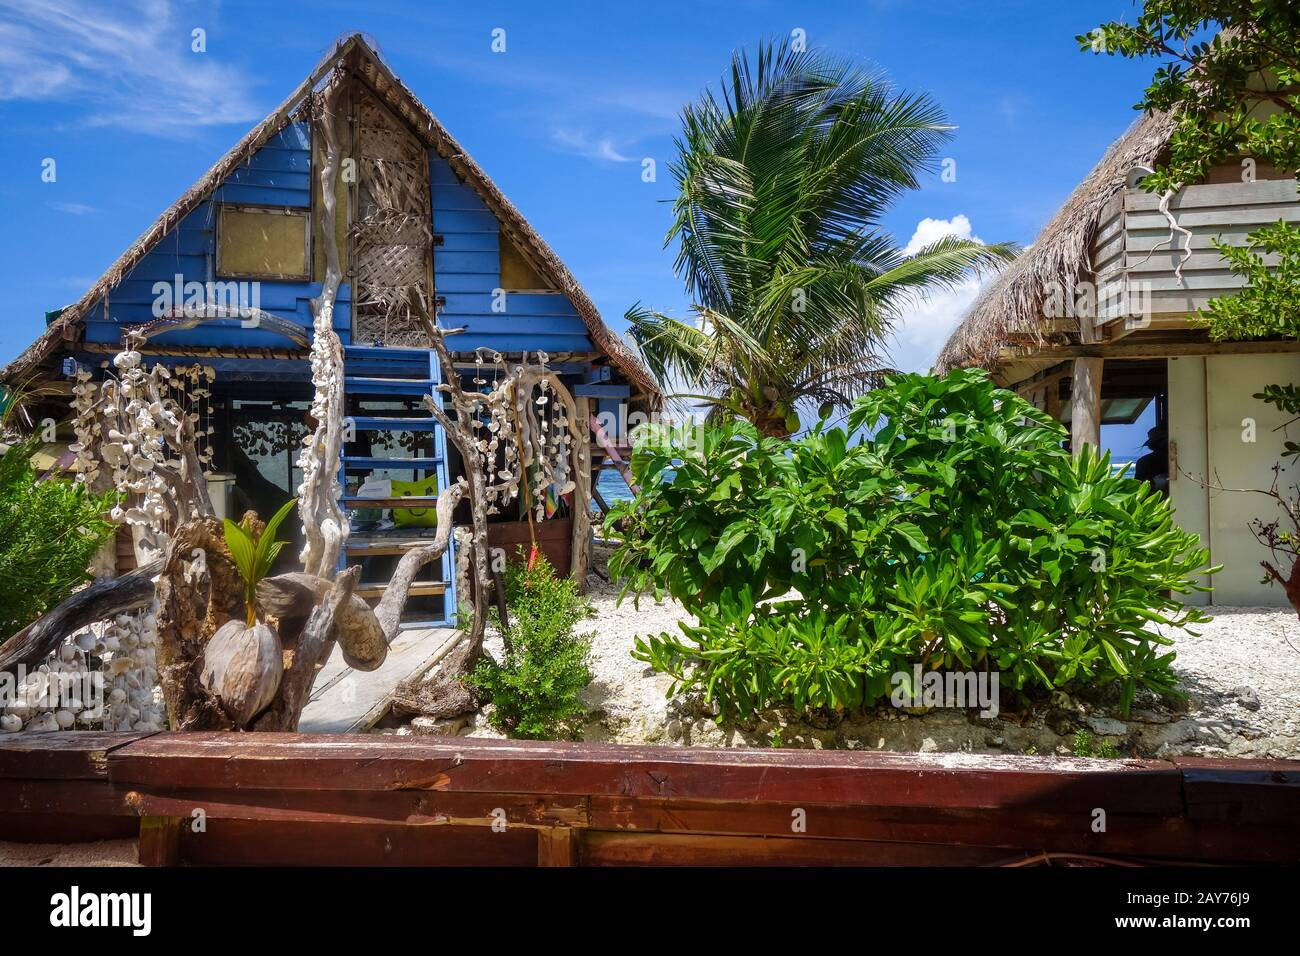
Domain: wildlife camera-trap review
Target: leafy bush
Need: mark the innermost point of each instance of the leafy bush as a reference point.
(535, 691)
(49, 531)
(959, 534)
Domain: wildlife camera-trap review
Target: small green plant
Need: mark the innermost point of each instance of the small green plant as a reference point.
(534, 691)
(49, 530)
(1084, 746)
(253, 556)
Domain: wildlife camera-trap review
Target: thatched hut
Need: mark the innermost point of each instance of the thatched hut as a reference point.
(1091, 324)
(422, 231)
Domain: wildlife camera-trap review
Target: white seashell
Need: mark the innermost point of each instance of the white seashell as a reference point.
(20, 709)
(65, 719)
(45, 723)
(11, 723)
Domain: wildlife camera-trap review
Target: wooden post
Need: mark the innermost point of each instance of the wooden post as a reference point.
(1085, 404)
(160, 841)
(556, 847)
(583, 482)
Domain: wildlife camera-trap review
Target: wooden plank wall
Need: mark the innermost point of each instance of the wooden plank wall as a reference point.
(467, 269)
(1133, 251)
(278, 174)
(356, 800)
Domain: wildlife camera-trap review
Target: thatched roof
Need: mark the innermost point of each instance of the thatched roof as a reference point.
(359, 56)
(1009, 313)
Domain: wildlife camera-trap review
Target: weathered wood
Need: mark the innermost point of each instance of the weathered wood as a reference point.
(160, 840)
(1240, 791)
(309, 655)
(95, 602)
(294, 595)
(557, 846)
(293, 798)
(410, 807)
(71, 755)
(580, 412)
(389, 610)
(1085, 404)
(672, 849)
(324, 525)
(463, 765)
(293, 843)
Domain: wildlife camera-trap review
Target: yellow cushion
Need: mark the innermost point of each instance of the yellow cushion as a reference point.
(415, 517)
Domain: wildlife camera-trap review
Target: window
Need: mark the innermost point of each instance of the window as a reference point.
(263, 242)
(517, 273)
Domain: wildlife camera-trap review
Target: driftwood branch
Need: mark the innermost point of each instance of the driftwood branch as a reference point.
(96, 602)
(323, 522)
(389, 610)
(309, 656)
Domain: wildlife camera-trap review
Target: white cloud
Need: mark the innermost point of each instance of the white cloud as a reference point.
(926, 325)
(129, 66)
(578, 143)
(73, 208)
(929, 231)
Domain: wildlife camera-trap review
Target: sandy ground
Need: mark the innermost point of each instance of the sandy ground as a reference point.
(100, 853)
(1241, 675)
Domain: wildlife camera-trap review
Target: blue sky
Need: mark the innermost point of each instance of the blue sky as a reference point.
(561, 120)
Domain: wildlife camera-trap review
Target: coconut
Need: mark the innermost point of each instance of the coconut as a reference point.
(242, 666)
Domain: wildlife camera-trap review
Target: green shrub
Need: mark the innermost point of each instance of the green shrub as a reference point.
(535, 690)
(1085, 746)
(959, 534)
(49, 531)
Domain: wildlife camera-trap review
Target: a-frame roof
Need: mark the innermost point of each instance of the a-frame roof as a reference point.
(355, 53)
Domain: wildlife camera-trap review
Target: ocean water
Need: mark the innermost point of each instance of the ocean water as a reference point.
(612, 487)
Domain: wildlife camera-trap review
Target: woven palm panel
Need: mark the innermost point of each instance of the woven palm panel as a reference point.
(391, 235)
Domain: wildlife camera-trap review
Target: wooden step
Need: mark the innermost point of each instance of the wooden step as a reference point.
(411, 501)
(355, 462)
(366, 548)
(370, 424)
(418, 589)
(388, 386)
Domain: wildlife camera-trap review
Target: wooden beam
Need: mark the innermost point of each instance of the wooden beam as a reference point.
(1150, 350)
(556, 846)
(1085, 404)
(582, 488)
(293, 799)
(160, 840)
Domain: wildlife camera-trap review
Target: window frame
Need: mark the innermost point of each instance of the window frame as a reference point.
(305, 212)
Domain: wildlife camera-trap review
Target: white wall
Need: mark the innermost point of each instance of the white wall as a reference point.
(1210, 409)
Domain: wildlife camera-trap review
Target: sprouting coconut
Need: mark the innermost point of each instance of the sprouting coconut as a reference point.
(242, 662)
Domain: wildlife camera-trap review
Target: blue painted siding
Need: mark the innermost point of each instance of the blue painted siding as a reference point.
(278, 174)
(467, 268)
(189, 250)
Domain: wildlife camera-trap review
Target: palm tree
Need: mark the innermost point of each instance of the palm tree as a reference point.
(784, 179)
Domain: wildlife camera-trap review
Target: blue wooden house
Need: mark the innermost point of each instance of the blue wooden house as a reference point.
(417, 217)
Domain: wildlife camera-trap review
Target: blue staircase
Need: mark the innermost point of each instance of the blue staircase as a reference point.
(377, 375)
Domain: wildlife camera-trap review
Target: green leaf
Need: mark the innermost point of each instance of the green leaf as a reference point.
(241, 548)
